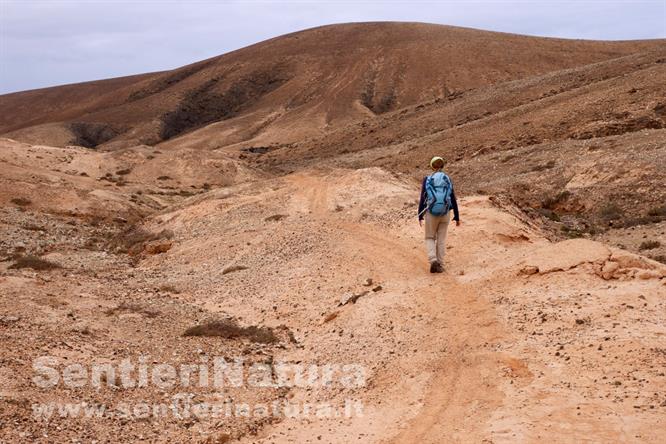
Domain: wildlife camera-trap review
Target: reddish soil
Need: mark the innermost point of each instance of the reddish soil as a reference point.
(261, 205)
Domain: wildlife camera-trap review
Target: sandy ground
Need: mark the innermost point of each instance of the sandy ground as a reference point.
(521, 339)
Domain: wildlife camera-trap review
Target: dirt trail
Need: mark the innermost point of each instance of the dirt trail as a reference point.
(459, 391)
(464, 390)
(520, 339)
(462, 337)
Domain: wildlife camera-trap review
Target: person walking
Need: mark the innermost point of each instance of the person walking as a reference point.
(435, 204)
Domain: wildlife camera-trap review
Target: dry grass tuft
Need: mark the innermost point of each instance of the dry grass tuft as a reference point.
(21, 201)
(133, 239)
(229, 329)
(649, 245)
(232, 268)
(128, 307)
(611, 211)
(169, 288)
(275, 217)
(658, 211)
(552, 202)
(34, 262)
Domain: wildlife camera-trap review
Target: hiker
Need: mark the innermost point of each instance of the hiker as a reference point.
(437, 201)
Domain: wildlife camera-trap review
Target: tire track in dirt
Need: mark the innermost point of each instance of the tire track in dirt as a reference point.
(464, 391)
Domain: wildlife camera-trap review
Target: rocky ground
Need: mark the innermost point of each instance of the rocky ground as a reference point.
(522, 338)
(254, 214)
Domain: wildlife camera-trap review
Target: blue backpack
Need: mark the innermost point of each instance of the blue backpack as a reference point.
(438, 192)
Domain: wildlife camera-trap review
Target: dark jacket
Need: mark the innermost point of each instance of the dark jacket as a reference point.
(422, 201)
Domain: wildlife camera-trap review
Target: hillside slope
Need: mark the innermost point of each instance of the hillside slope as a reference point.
(295, 85)
(592, 135)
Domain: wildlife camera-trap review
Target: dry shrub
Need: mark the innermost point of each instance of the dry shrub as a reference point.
(546, 166)
(169, 288)
(21, 201)
(549, 214)
(229, 329)
(275, 217)
(133, 239)
(552, 202)
(220, 438)
(649, 245)
(128, 307)
(571, 232)
(658, 211)
(232, 268)
(34, 262)
(33, 227)
(642, 220)
(611, 211)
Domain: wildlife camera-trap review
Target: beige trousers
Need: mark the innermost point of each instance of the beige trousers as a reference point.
(435, 236)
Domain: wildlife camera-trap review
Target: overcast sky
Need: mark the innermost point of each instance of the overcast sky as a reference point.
(51, 42)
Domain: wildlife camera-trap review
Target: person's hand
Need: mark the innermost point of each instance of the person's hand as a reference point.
(420, 222)
(457, 223)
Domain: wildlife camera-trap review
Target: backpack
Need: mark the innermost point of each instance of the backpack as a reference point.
(438, 191)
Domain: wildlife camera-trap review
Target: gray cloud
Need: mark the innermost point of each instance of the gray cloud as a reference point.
(45, 43)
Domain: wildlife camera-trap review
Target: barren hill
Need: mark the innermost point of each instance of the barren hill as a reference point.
(592, 135)
(261, 206)
(292, 86)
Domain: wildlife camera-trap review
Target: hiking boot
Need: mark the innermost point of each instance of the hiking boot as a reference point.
(435, 267)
